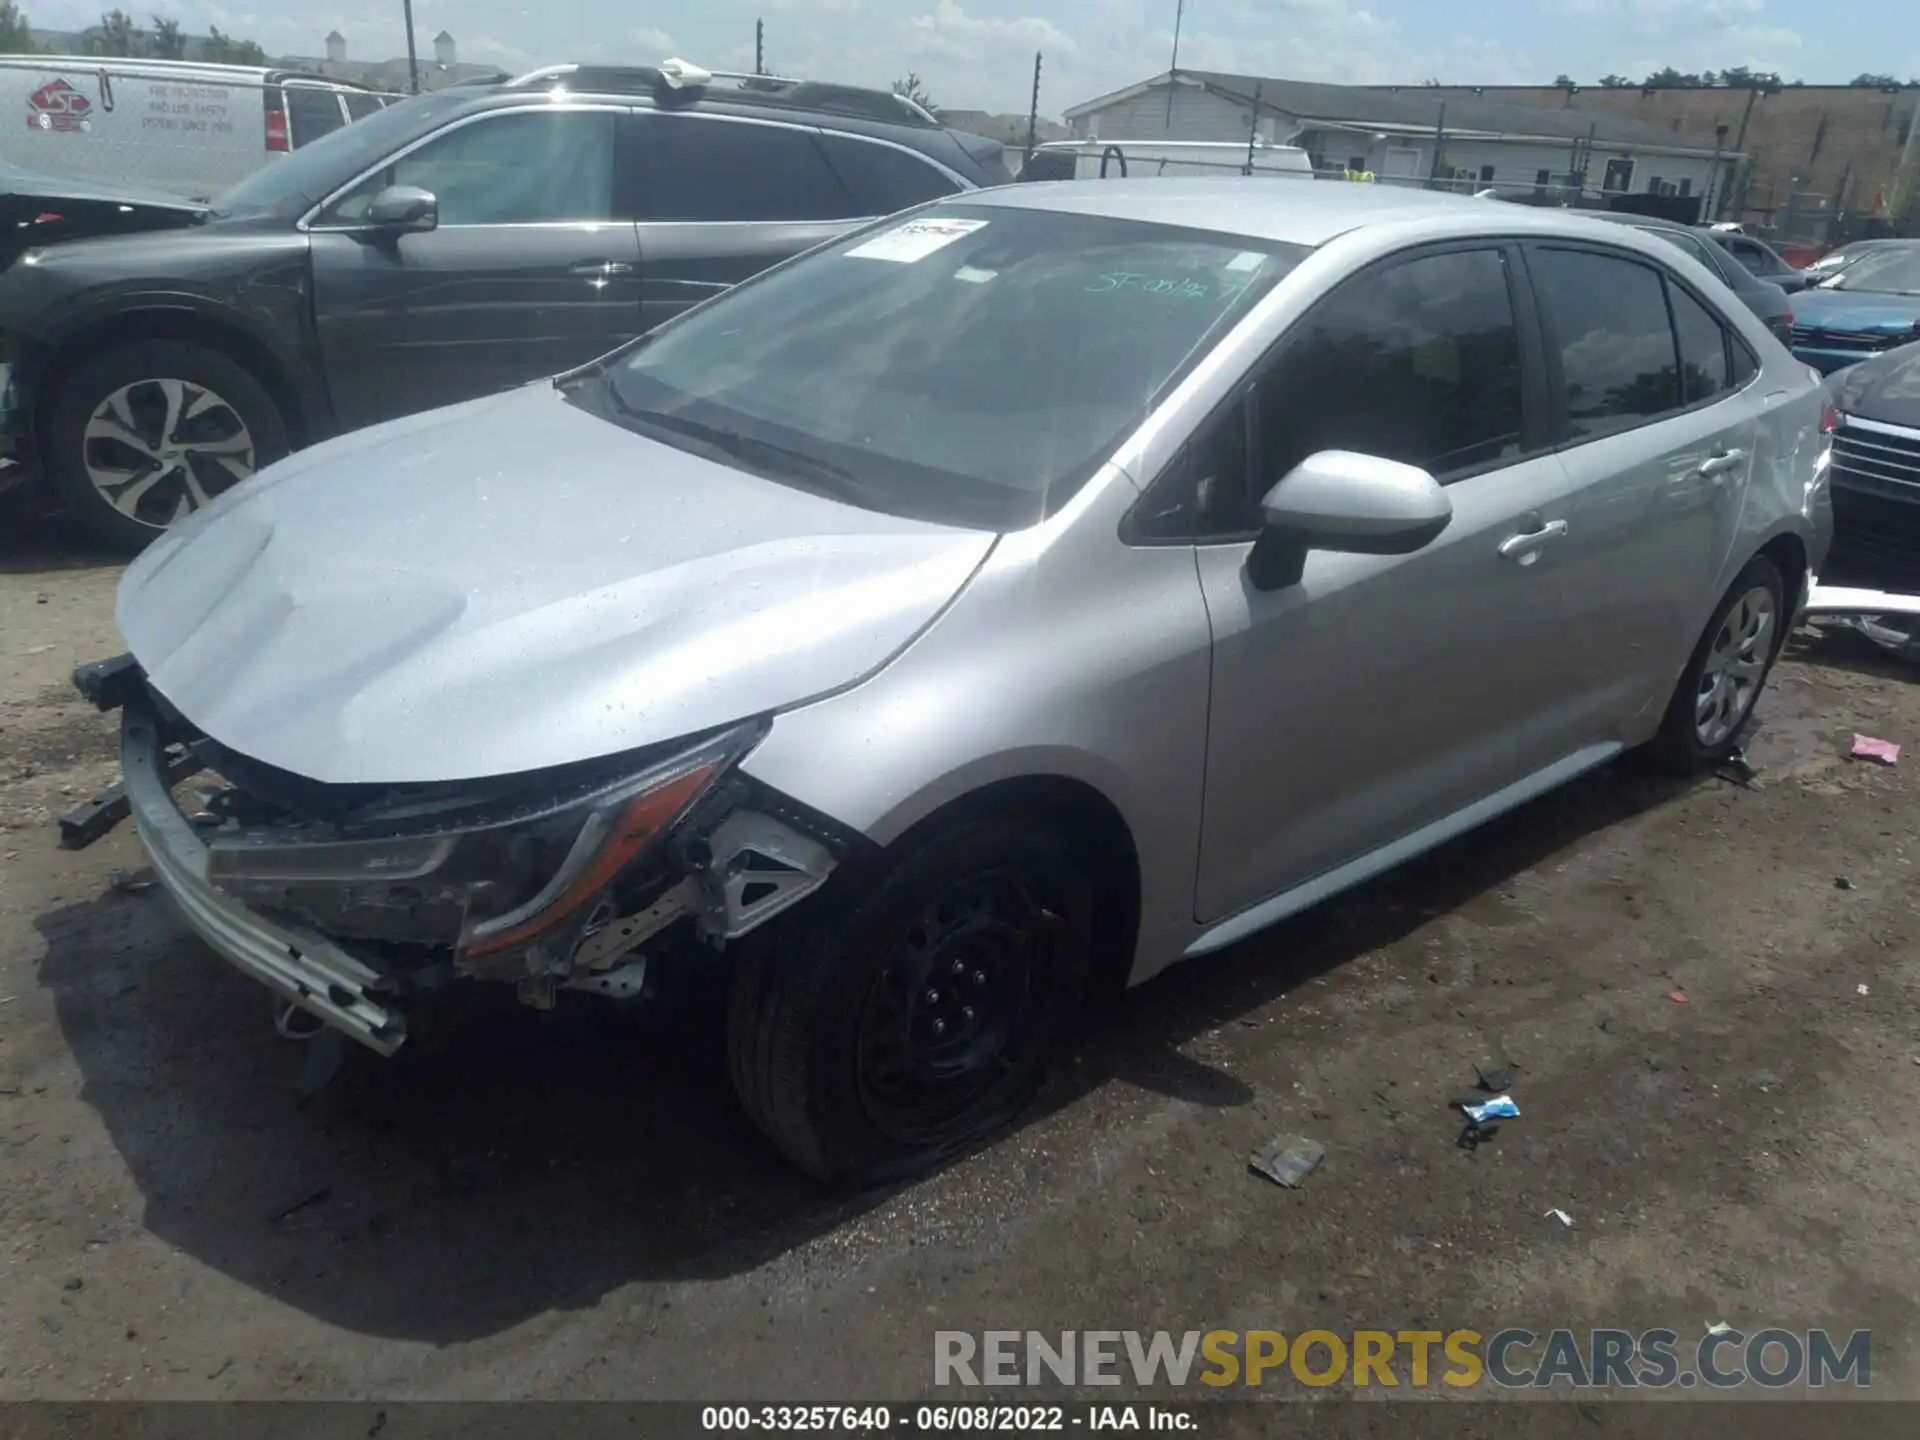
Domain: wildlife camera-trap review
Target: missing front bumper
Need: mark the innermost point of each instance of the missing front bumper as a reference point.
(298, 964)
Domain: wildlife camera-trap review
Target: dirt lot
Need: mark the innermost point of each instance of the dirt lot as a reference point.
(576, 1210)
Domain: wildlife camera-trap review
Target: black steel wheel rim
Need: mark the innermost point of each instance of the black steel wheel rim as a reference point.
(951, 1021)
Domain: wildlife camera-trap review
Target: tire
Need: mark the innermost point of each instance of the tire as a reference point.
(831, 1027)
(227, 427)
(1686, 742)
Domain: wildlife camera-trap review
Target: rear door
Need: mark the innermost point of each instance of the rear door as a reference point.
(534, 267)
(720, 198)
(1658, 428)
(313, 111)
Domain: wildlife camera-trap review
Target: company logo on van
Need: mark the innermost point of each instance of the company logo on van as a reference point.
(56, 105)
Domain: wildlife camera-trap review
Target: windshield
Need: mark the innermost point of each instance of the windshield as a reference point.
(971, 365)
(311, 173)
(1889, 272)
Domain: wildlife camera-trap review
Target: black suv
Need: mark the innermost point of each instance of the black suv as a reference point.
(444, 248)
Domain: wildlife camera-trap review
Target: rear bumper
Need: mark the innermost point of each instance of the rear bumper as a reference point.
(297, 964)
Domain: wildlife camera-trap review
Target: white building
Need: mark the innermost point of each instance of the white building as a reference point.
(1403, 135)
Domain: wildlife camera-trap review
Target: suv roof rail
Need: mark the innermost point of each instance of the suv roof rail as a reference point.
(679, 82)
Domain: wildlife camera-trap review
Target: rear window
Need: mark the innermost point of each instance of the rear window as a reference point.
(313, 112)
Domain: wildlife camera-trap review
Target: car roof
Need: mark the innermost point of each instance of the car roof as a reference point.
(1292, 211)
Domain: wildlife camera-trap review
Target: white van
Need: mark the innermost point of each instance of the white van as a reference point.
(174, 126)
(1098, 159)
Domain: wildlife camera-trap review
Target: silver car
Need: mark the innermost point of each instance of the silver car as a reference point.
(1009, 600)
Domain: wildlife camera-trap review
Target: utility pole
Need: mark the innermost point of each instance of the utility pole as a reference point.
(1439, 145)
(1173, 69)
(1253, 129)
(759, 47)
(1033, 116)
(413, 54)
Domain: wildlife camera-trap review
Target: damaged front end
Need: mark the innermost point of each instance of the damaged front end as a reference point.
(361, 903)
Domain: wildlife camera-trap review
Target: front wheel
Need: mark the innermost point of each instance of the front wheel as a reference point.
(1727, 671)
(913, 1009)
(149, 432)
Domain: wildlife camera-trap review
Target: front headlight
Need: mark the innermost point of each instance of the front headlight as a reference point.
(487, 886)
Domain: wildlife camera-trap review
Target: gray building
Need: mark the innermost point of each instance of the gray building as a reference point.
(1400, 134)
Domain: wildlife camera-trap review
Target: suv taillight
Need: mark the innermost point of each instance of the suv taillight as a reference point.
(276, 129)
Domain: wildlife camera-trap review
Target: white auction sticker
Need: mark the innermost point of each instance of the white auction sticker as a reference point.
(915, 240)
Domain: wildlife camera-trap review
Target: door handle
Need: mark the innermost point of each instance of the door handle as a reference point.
(1718, 465)
(1527, 545)
(601, 269)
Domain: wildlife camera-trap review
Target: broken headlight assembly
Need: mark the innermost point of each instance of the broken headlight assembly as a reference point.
(506, 878)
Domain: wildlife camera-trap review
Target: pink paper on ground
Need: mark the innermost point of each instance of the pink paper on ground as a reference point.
(1865, 747)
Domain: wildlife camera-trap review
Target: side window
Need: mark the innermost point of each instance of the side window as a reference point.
(1609, 318)
(730, 170)
(1746, 364)
(1749, 255)
(314, 112)
(882, 179)
(1418, 361)
(523, 168)
(1703, 348)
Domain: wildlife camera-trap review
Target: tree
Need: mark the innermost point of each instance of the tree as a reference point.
(914, 89)
(16, 35)
(168, 41)
(1875, 82)
(1668, 78)
(1742, 78)
(1614, 82)
(116, 34)
(1564, 81)
(225, 50)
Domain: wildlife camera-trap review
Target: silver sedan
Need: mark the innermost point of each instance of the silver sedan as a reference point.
(1013, 598)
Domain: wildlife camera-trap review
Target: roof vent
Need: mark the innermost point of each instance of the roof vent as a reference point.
(684, 75)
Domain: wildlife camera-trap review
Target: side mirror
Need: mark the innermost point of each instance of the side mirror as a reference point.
(1346, 502)
(404, 208)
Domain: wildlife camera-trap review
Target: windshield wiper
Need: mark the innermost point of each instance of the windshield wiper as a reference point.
(760, 454)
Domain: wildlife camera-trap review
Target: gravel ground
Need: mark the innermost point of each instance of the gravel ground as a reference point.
(576, 1210)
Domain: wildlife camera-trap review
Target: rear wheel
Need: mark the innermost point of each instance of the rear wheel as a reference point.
(913, 1012)
(1727, 671)
(149, 432)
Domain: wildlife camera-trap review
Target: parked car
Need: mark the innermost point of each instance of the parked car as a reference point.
(1834, 261)
(1876, 473)
(1060, 582)
(1759, 258)
(179, 127)
(1866, 309)
(448, 246)
(1766, 299)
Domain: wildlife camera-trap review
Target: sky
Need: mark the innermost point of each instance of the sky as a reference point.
(979, 53)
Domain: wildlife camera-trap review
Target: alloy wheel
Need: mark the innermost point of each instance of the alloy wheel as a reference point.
(1735, 667)
(157, 450)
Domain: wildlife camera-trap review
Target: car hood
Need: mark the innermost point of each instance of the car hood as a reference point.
(512, 584)
(1854, 310)
(16, 183)
(1886, 388)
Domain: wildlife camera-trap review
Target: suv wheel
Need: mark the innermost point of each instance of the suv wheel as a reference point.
(912, 1010)
(149, 432)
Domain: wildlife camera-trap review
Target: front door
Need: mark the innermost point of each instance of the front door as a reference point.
(1660, 433)
(1383, 693)
(721, 198)
(532, 270)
